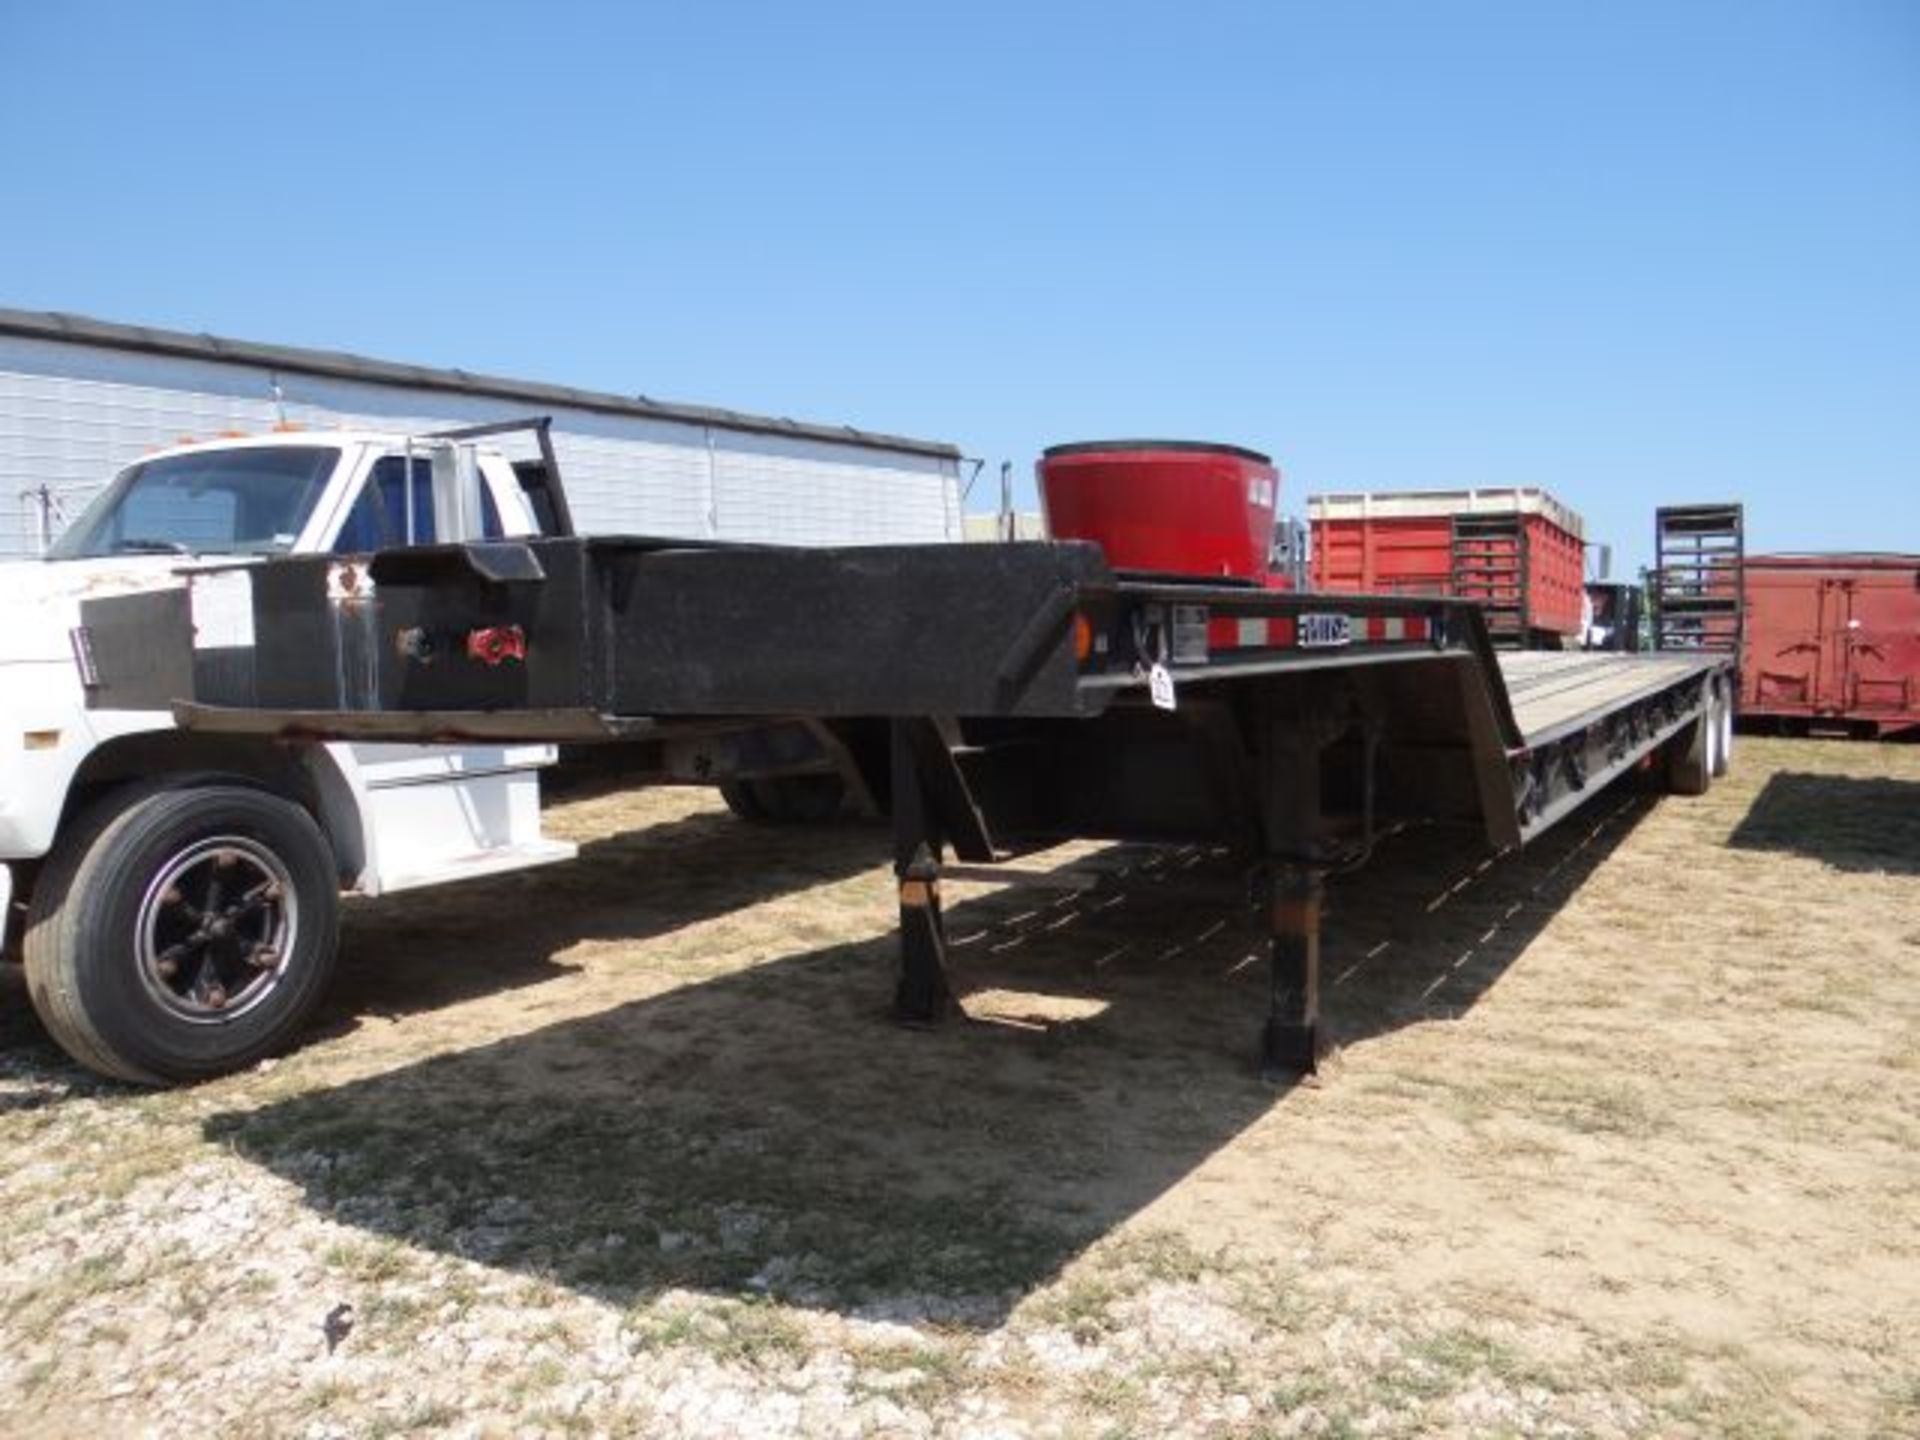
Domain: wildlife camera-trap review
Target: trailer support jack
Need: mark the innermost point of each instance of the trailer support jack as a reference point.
(923, 996)
(1290, 1044)
(1293, 820)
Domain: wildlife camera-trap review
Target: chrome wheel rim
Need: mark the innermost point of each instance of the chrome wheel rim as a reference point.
(216, 928)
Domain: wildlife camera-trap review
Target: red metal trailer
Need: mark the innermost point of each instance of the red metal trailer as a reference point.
(1833, 642)
(1517, 553)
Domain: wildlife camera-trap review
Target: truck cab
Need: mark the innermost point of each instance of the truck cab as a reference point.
(172, 895)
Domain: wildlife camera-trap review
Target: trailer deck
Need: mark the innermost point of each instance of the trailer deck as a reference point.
(1554, 692)
(992, 699)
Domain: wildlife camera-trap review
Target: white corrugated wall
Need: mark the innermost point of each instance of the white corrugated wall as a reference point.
(72, 414)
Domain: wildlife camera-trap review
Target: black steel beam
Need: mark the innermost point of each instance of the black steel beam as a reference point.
(922, 995)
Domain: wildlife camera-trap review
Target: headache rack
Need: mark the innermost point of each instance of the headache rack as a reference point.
(1699, 578)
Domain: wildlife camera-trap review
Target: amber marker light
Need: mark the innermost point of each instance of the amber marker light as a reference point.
(1082, 637)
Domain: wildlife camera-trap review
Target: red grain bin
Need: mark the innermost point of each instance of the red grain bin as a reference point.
(1833, 642)
(1175, 507)
(1519, 552)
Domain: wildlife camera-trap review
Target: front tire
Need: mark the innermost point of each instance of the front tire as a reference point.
(181, 932)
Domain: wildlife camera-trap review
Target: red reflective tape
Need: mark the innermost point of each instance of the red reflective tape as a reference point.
(1376, 627)
(1416, 627)
(1229, 632)
(497, 643)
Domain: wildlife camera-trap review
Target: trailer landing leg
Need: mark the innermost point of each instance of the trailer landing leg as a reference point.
(1290, 1044)
(1293, 821)
(923, 996)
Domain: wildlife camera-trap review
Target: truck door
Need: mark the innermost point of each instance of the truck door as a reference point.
(430, 812)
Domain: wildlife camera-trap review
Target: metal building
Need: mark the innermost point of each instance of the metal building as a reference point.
(81, 398)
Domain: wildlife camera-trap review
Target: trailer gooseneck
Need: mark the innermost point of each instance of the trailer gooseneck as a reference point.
(994, 699)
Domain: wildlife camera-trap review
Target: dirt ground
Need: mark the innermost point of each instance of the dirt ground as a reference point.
(1622, 1138)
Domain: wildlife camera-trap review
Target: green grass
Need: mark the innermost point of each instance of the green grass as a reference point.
(759, 1333)
(1900, 1407)
(926, 1374)
(423, 1416)
(754, 1333)
(1083, 1303)
(371, 1262)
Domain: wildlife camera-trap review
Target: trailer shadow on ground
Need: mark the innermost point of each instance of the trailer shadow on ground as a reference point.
(424, 950)
(430, 949)
(1845, 821)
(767, 1132)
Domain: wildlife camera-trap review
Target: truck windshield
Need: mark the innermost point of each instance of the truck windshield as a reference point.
(252, 500)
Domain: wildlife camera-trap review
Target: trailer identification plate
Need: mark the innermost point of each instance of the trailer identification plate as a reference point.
(1189, 634)
(1321, 632)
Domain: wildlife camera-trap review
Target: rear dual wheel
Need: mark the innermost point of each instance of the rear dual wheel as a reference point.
(1703, 749)
(1723, 757)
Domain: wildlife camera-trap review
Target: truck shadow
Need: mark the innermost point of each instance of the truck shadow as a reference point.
(768, 1132)
(427, 949)
(1846, 821)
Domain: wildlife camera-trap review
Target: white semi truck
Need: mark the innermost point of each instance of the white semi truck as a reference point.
(174, 896)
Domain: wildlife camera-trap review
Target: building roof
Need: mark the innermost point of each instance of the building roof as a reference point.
(84, 330)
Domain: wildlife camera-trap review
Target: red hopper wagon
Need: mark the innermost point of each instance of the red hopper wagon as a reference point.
(1165, 507)
(1517, 553)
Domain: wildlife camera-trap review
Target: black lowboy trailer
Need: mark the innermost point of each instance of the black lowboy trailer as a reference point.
(992, 699)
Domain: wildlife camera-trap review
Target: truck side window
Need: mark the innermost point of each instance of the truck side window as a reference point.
(378, 520)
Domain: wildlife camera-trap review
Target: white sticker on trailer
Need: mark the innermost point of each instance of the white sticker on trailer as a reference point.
(222, 610)
(1189, 634)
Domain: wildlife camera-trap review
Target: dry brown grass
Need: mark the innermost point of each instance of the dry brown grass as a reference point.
(1623, 1137)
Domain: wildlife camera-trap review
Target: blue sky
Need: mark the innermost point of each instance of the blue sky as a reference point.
(1632, 252)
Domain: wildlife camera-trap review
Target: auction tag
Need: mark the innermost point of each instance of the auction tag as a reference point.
(1160, 686)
